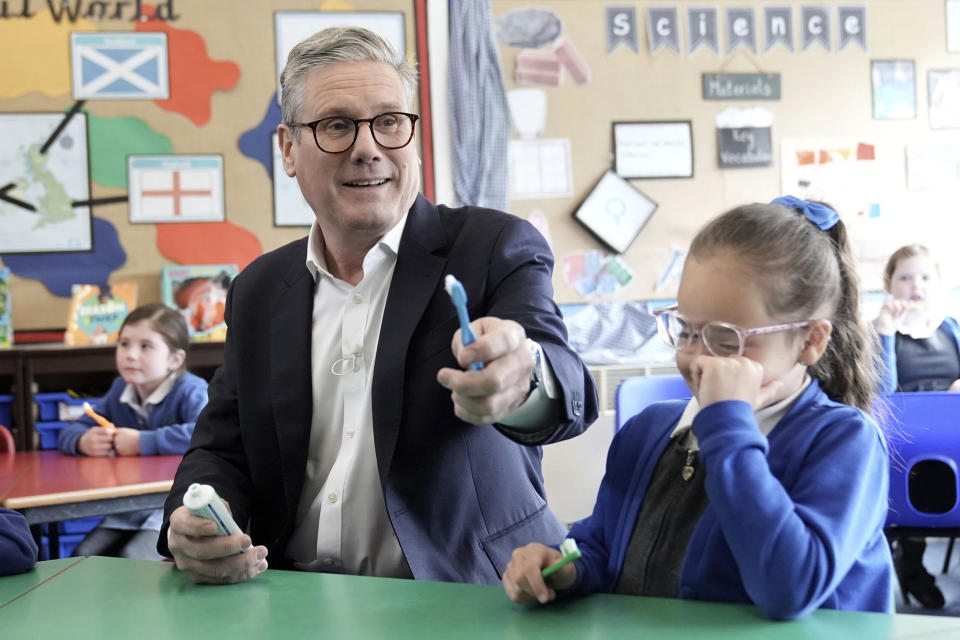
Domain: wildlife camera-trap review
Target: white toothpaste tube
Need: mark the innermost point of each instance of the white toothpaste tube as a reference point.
(203, 501)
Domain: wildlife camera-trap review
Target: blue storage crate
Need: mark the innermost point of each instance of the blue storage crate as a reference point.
(49, 432)
(6, 410)
(48, 404)
(80, 525)
(67, 543)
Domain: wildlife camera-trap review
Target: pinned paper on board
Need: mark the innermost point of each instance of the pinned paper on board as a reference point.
(932, 166)
(944, 89)
(539, 221)
(593, 273)
(670, 275)
(547, 66)
(528, 111)
(845, 173)
(528, 28)
(540, 169)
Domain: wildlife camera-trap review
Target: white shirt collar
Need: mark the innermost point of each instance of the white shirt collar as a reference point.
(767, 417)
(129, 395)
(316, 263)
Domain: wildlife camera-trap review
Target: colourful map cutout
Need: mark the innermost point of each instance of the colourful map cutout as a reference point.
(59, 271)
(36, 54)
(194, 77)
(207, 243)
(256, 143)
(113, 139)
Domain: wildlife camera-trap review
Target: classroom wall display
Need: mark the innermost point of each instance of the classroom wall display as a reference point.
(615, 211)
(44, 165)
(148, 79)
(654, 149)
(894, 89)
(814, 106)
(741, 86)
(943, 86)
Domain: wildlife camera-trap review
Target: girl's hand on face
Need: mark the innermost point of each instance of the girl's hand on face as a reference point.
(891, 314)
(97, 441)
(731, 378)
(523, 581)
(127, 442)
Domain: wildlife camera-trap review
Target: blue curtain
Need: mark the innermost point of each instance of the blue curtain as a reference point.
(479, 114)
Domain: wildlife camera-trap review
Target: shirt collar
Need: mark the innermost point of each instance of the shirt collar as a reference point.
(317, 264)
(129, 395)
(767, 417)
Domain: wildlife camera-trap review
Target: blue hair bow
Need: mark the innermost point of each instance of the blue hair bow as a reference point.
(822, 216)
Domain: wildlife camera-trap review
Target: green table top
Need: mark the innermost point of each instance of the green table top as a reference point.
(110, 597)
(13, 586)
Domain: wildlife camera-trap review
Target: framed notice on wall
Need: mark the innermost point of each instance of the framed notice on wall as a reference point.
(653, 149)
(615, 212)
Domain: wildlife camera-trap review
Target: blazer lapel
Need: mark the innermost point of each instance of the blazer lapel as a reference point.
(291, 397)
(415, 279)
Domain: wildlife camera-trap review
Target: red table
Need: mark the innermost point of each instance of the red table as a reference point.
(48, 486)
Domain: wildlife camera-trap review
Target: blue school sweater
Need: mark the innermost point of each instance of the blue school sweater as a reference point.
(18, 551)
(794, 520)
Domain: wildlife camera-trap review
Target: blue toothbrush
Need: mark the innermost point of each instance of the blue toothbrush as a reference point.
(459, 298)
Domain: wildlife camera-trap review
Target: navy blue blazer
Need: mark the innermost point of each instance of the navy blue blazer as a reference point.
(461, 497)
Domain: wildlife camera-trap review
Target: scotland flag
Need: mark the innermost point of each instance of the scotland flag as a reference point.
(119, 66)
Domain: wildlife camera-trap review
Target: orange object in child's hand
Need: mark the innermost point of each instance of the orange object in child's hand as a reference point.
(103, 422)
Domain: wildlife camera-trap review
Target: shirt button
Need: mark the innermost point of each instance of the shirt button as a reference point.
(350, 433)
(358, 298)
(331, 498)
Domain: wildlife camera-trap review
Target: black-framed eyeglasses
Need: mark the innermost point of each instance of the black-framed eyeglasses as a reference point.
(722, 339)
(336, 134)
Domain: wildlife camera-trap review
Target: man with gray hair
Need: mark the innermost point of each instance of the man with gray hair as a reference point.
(342, 429)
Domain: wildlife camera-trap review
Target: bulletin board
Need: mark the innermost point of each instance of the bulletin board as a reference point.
(105, 106)
(825, 105)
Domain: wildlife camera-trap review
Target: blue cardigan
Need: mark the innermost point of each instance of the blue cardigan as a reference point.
(18, 551)
(168, 429)
(888, 353)
(794, 521)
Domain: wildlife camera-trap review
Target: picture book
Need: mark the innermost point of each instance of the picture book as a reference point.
(6, 320)
(96, 312)
(199, 292)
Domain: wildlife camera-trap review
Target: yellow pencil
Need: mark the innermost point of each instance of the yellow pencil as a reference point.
(103, 422)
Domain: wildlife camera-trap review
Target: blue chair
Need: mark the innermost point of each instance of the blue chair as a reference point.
(635, 394)
(924, 452)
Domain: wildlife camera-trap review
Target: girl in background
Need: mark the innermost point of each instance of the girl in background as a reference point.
(921, 352)
(154, 405)
(770, 485)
